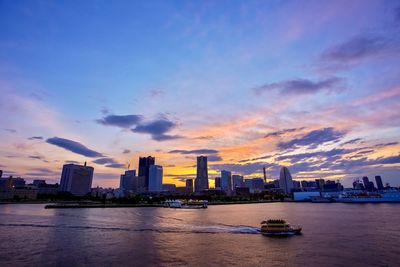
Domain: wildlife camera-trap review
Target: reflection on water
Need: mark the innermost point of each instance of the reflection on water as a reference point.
(334, 234)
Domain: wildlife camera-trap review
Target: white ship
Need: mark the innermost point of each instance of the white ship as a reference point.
(386, 196)
(178, 204)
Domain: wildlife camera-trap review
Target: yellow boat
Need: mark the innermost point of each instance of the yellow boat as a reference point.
(279, 227)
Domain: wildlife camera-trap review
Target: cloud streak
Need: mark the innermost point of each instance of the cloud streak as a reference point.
(313, 139)
(74, 147)
(122, 121)
(302, 86)
(157, 129)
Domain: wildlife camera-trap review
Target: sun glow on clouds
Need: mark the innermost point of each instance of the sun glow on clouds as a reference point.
(318, 97)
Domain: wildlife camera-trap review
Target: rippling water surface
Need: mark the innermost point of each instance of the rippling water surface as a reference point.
(334, 235)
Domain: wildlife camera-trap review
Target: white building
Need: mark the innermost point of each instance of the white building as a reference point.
(76, 179)
(155, 178)
(285, 181)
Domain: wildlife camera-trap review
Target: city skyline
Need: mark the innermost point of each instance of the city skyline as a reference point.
(248, 86)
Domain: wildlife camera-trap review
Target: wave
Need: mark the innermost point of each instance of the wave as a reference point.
(185, 229)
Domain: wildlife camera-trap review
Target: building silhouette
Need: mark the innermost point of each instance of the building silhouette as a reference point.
(217, 181)
(155, 178)
(189, 185)
(237, 181)
(201, 182)
(76, 179)
(379, 184)
(129, 181)
(285, 180)
(226, 182)
(144, 165)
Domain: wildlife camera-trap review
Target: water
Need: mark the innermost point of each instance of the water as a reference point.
(334, 235)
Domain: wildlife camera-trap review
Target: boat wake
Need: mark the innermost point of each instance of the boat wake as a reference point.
(184, 229)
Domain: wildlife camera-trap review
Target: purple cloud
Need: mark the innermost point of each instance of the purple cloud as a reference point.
(157, 129)
(281, 132)
(357, 48)
(196, 151)
(122, 121)
(35, 138)
(73, 146)
(302, 86)
(313, 139)
(109, 162)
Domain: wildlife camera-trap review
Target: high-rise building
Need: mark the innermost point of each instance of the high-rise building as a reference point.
(76, 179)
(129, 181)
(379, 184)
(258, 184)
(285, 180)
(144, 165)
(226, 181)
(217, 182)
(189, 185)
(369, 186)
(296, 184)
(201, 182)
(155, 178)
(237, 181)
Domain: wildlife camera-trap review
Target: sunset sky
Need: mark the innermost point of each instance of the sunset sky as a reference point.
(311, 85)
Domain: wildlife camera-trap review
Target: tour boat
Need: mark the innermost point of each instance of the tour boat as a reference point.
(178, 204)
(279, 227)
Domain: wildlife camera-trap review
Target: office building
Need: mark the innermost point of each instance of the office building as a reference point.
(285, 180)
(368, 185)
(129, 181)
(258, 184)
(201, 182)
(169, 188)
(189, 185)
(144, 165)
(76, 179)
(379, 184)
(226, 182)
(237, 181)
(217, 181)
(155, 178)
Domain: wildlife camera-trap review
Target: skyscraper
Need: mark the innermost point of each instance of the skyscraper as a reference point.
(129, 181)
(226, 182)
(155, 178)
(201, 182)
(237, 181)
(285, 180)
(189, 185)
(144, 165)
(76, 179)
(379, 184)
(217, 181)
(369, 186)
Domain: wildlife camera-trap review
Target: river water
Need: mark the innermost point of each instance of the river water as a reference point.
(334, 235)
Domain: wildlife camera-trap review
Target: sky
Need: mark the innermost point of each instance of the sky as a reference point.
(311, 85)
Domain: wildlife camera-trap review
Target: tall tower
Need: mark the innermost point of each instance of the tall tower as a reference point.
(201, 182)
(379, 183)
(285, 180)
(226, 182)
(155, 178)
(144, 166)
